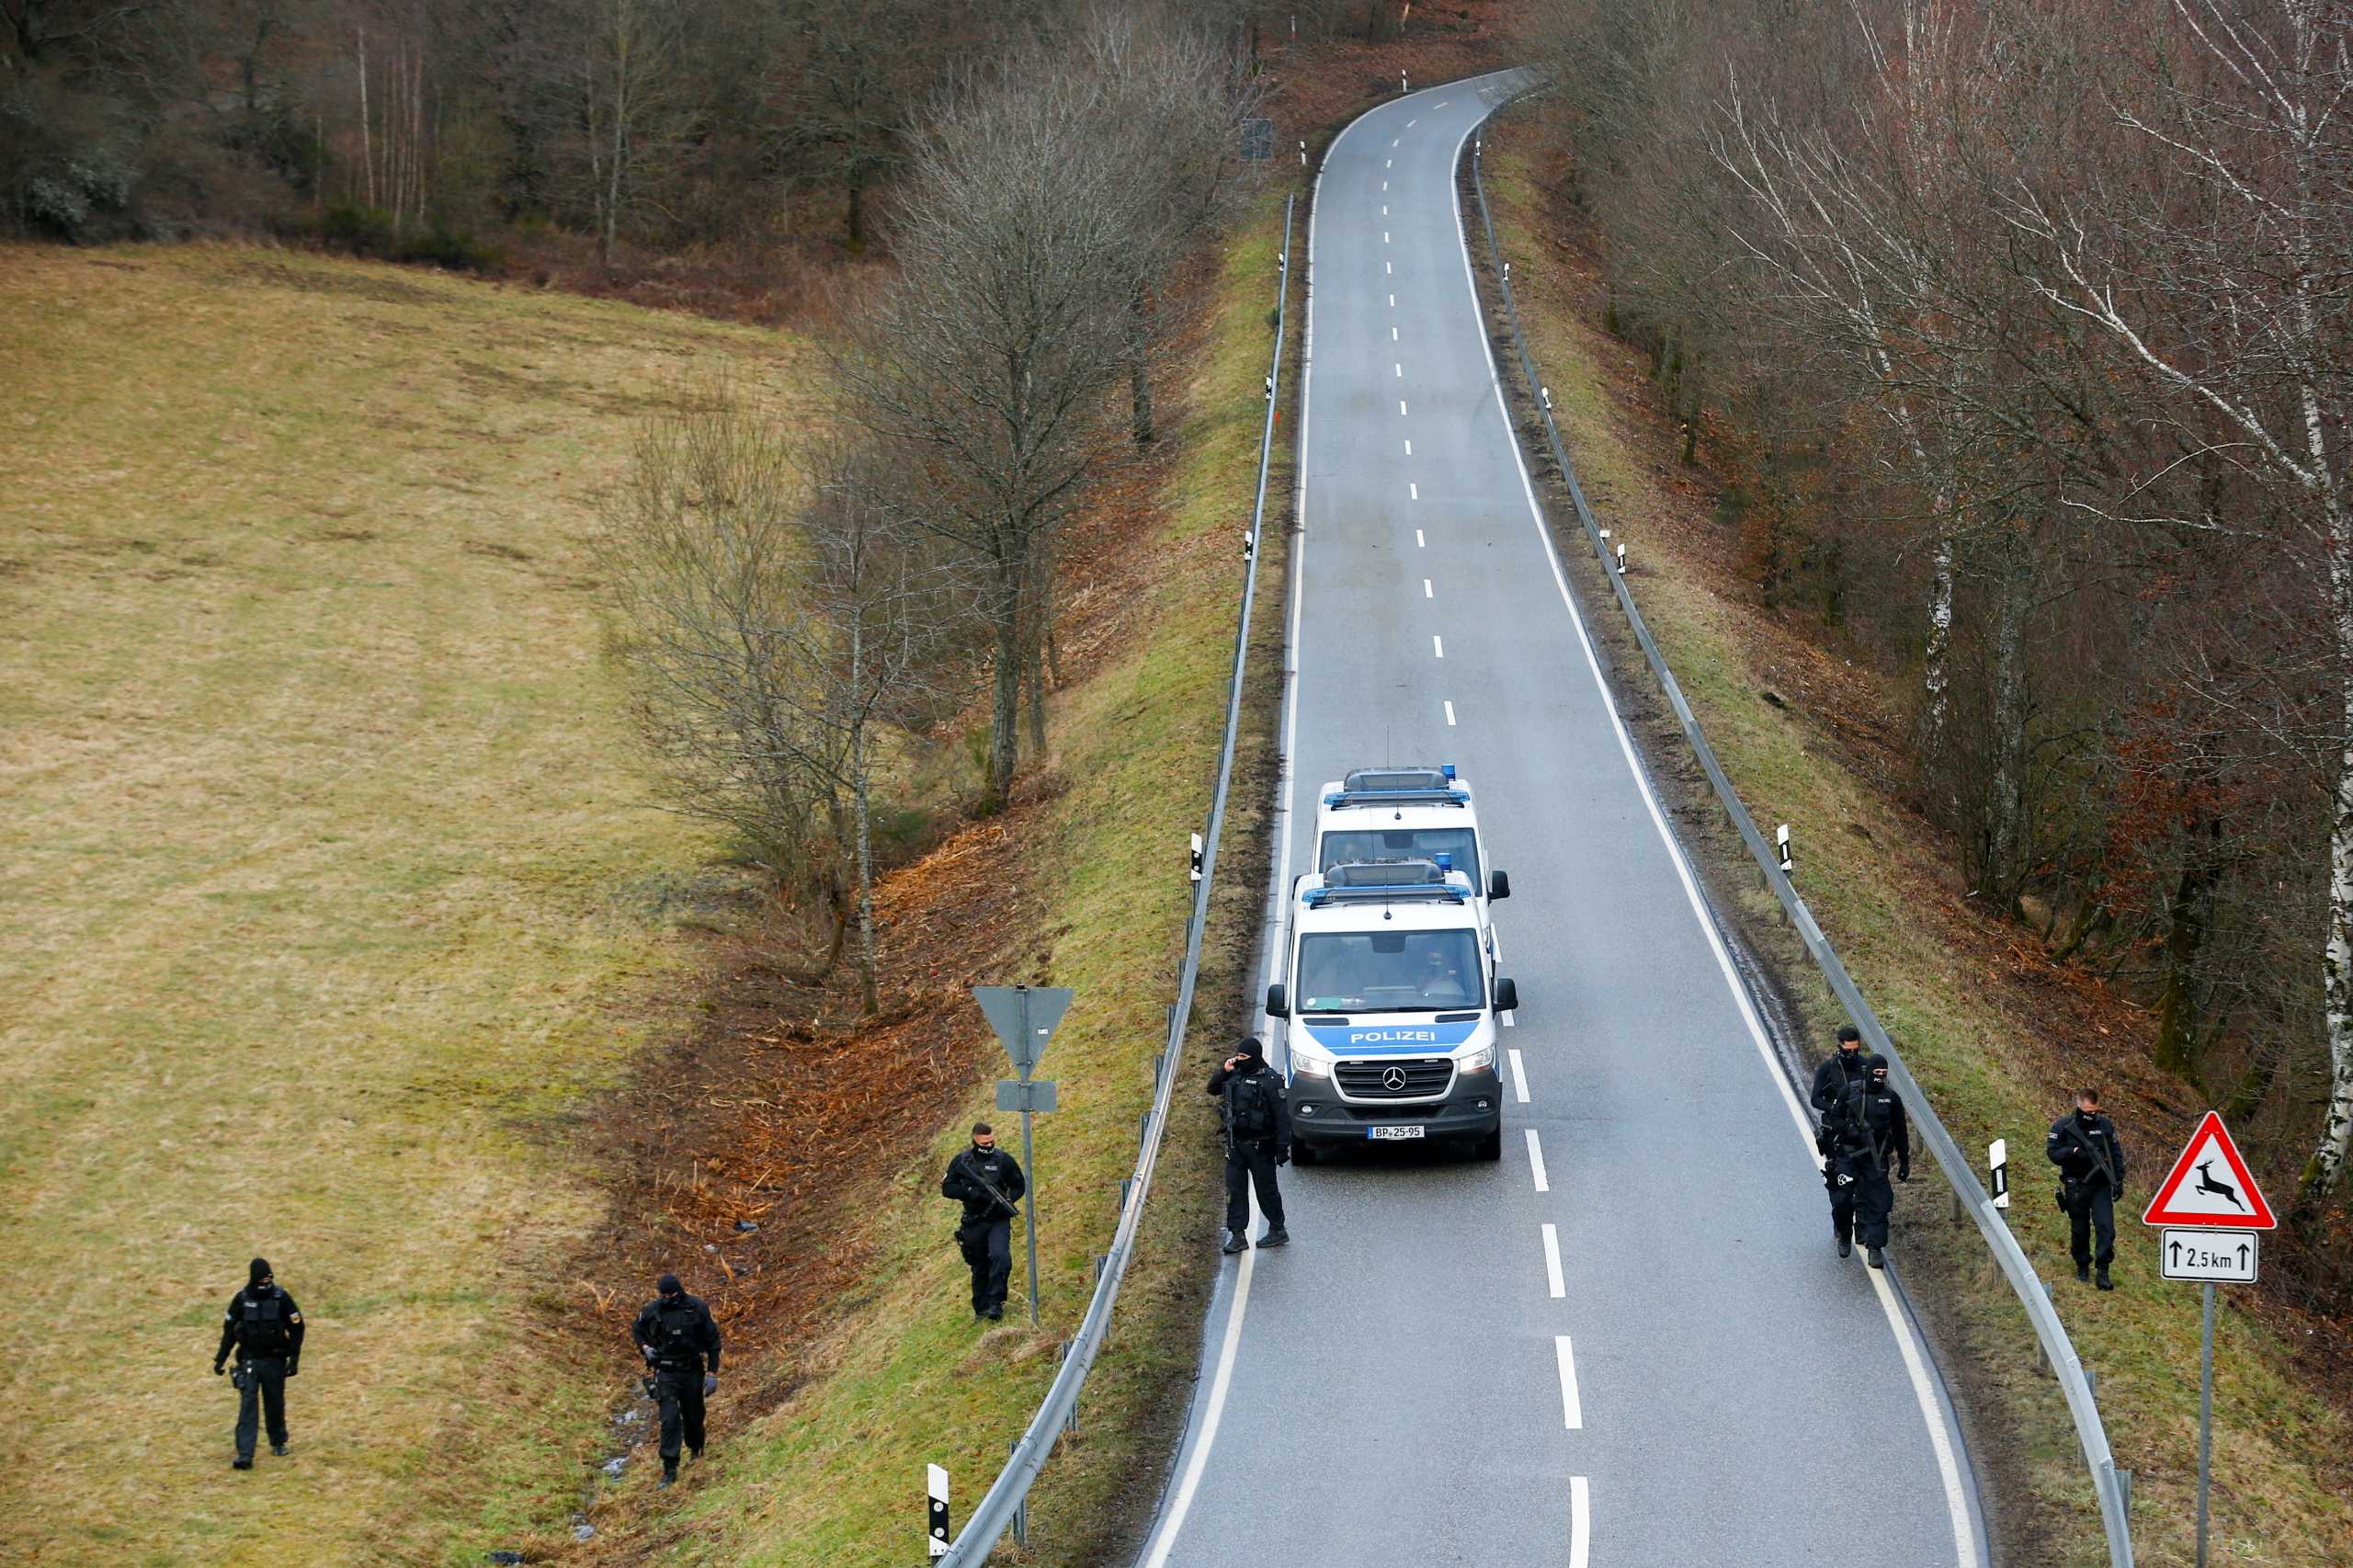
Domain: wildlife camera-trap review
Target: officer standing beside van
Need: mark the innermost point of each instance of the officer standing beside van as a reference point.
(264, 1326)
(1258, 1139)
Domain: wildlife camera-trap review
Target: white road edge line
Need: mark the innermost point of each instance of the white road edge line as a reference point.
(1580, 1530)
(1914, 1363)
(1518, 1071)
(1572, 1410)
(1449, 724)
(1552, 1262)
(1536, 1160)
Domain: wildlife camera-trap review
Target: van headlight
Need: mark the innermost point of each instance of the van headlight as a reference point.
(1478, 1061)
(1306, 1065)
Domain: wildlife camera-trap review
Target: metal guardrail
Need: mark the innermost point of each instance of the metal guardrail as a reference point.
(1057, 1413)
(2112, 1486)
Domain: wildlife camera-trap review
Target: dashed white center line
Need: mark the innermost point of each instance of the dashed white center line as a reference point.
(1387, 162)
(1447, 101)
(1553, 1263)
(1426, 589)
(1394, 140)
(1409, 448)
(1384, 206)
(1410, 124)
(1389, 267)
(1384, 185)
(1384, 236)
(1449, 724)
(1572, 1411)
(1519, 1072)
(1392, 301)
(1580, 1532)
(1536, 1160)
(1414, 490)
(1438, 646)
(1393, 335)
(1401, 409)
(1401, 372)
(1419, 542)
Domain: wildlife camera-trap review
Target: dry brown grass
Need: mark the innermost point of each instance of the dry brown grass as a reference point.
(318, 907)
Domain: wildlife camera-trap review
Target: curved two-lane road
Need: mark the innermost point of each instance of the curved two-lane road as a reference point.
(1630, 1342)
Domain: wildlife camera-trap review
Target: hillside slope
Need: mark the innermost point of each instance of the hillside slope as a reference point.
(326, 895)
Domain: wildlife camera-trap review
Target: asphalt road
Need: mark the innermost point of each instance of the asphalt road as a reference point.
(1698, 1379)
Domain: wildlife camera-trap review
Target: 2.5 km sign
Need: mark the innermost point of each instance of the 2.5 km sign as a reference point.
(2206, 1257)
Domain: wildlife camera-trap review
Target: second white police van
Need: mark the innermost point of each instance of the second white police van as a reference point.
(1387, 813)
(1389, 1018)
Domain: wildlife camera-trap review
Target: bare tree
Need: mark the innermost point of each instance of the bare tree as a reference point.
(988, 362)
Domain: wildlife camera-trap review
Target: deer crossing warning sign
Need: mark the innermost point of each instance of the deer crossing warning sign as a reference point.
(2210, 1185)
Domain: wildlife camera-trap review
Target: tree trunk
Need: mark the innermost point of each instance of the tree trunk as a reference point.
(862, 803)
(2179, 1048)
(1933, 676)
(854, 220)
(2337, 960)
(1997, 879)
(1139, 376)
(1005, 712)
(1038, 696)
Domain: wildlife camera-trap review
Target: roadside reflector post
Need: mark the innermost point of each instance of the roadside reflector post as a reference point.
(1194, 875)
(1781, 841)
(935, 1510)
(1998, 1162)
(1621, 558)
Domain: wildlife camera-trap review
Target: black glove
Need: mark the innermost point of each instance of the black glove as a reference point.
(219, 1367)
(1904, 1173)
(1283, 1155)
(291, 1369)
(710, 1384)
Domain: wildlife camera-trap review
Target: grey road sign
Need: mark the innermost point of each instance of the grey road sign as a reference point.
(2220, 1256)
(1024, 1093)
(1024, 1034)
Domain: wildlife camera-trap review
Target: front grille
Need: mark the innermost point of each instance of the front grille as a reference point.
(1425, 1078)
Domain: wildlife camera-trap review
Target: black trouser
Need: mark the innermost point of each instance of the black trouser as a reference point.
(265, 1392)
(1842, 1203)
(2094, 1209)
(1874, 1198)
(678, 1389)
(1248, 1165)
(988, 1248)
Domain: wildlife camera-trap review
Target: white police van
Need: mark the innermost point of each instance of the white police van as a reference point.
(1390, 813)
(1389, 1018)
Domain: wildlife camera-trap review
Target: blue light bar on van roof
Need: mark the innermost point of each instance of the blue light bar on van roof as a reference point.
(1384, 882)
(1399, 787)
(1399, 892)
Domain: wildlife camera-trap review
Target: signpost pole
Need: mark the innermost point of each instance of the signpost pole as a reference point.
(2205, 1417)
(1029, 1169)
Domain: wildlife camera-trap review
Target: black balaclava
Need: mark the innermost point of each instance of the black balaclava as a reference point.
(668, 1284)
(2085, 1113)
(1252, 1051)
(1876, 1069)
(256, 1273)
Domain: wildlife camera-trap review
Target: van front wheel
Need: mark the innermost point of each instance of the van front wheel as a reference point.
(1302, 1152)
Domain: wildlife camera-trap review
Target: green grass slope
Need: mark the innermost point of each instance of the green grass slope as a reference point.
(316, 909)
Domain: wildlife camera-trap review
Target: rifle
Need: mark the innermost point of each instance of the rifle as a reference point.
(960, 1162)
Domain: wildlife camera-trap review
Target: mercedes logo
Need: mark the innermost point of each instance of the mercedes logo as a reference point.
(1392, 1079)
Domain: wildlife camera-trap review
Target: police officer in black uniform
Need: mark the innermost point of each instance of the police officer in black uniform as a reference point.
(1871, 1134)
(678, 1336)
(1843, 1071)
(2090, 1158)
(264, 1326)
(988, 1182)
(1258, 1139)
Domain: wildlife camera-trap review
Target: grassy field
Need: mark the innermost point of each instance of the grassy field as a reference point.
(1971, 1025)
(832, 1476)
(317, 908)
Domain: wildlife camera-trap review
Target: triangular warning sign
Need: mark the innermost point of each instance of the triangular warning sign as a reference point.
(2209, 1185)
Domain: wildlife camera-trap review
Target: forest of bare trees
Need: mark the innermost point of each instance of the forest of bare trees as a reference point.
(790, 616)
(2022, 332)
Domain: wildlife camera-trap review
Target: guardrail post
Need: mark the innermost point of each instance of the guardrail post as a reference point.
(1020, 1509)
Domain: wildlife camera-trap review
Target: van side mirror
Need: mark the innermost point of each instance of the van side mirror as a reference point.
(1507, 997)
(1499, 884)
(1277, 1003)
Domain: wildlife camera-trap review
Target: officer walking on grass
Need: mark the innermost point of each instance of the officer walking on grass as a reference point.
(678, 1336)
(264, 1326)
(1871, 1134)
(988, 1182)
(2090, 1158)
(1831, 1081)
(1258, 1139)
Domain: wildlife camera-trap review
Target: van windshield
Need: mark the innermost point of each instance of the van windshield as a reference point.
(1389, 972)
(1404, 844)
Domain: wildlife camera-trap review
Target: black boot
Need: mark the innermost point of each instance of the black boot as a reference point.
(1877, 1259)
(277, 1448)
(1846, 1247)
(1236, 1242)
(1276, 1236)
(669, 1472)
(2104, 1282)
(241, 1464)
(2082, 1271)
(995, 1313)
